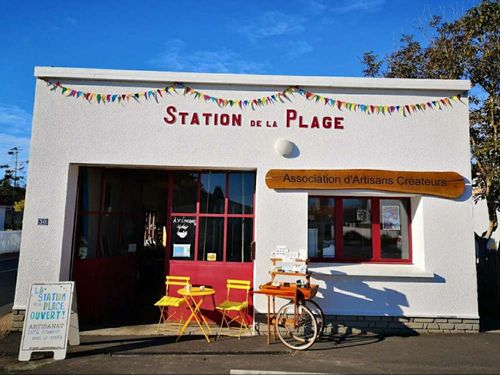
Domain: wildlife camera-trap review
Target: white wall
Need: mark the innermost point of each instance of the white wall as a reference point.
(67, 132)
(10, 241)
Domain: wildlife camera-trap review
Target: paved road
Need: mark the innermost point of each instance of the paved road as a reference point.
(8, 274)
(427, 354)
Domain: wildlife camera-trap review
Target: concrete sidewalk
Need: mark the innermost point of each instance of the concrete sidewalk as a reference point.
(354, 354)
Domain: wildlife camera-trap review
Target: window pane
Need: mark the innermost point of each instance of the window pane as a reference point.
(211, 237)
(394, 229)
(109, 241)
(87, 236)
(112, 193)
(239, 237)
(357, 229)
(321, 227)
(185, 192)
(183, 237)
(131, 232)
(132, 195)
(213, 192)
(90, 189)
(241, 190)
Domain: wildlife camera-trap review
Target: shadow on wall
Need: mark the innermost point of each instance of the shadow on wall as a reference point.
(383, 306)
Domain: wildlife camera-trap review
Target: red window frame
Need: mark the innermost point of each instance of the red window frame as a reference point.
(376, 239)
(100, 213)
(198, 215)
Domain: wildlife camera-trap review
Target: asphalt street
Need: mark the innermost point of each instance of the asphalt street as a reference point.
(362, 354)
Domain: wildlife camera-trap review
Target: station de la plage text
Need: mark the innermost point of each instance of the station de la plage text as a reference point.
(292, 119)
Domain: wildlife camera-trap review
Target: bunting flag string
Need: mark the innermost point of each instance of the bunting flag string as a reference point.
(256, 103)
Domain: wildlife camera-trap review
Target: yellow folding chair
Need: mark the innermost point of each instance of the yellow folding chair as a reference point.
(170, 301)
(240, 306)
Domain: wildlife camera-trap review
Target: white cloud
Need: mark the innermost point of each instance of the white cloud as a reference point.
(176, 57)
(271, 24)
(316, 7)
(15, 129)
(8, 141)
(14, 120)
(348, 6)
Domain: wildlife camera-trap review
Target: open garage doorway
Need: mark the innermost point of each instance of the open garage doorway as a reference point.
(135, 226)
(119, 245)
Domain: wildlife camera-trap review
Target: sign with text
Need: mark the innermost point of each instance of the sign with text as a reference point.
(46, 323)
(441, 184)
(183, 236)
(291, 119)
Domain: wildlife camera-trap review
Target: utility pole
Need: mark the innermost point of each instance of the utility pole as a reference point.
(15, 151)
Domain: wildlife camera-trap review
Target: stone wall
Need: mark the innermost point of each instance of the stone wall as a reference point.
(390, 326)
(17, 320)
(348, 324)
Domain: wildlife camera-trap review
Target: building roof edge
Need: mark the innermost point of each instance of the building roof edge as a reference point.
(250, 79)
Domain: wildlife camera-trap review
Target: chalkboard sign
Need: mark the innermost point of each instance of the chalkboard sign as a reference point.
(183, 236)
(47, 319)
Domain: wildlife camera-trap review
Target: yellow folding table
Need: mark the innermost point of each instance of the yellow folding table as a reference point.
(194, 298)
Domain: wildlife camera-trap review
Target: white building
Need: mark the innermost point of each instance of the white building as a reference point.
(188, 155)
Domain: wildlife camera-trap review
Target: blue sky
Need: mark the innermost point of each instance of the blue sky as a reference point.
(286, 37)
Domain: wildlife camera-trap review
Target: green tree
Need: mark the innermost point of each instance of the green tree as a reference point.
(467, 48)
(12, 187)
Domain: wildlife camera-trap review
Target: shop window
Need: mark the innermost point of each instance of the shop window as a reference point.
(86, 242)
(185, 192)
(394, 229)
(211, 239)
(108, 211)
(221, 212)
(213, 192)
(112, 193)
(321, 231)
(239, 238)
(90, 190)
(359, 229)
(241, 190)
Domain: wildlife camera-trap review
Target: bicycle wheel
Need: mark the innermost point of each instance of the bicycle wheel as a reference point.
(318, 314)
(296, 326)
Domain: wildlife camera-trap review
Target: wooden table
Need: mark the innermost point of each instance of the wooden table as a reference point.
(194, 299)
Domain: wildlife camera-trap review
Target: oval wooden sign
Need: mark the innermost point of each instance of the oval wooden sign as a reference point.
(441, 184)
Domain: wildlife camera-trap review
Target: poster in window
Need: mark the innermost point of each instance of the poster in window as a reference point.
(183, 235)
(182, 250)
(390, 218)
(362, 215)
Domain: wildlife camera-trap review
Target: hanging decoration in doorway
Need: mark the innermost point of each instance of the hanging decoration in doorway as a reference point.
(279, 97)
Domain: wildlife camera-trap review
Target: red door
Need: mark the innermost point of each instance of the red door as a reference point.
(210, 230)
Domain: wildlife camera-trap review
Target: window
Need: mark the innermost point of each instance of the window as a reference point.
(220, 208)
(359, 229)
(210, 214)
(108, 211)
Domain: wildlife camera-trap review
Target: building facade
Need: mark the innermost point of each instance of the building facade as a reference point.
(135, 175)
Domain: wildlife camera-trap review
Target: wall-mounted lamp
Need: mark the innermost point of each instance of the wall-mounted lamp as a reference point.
(283, 147)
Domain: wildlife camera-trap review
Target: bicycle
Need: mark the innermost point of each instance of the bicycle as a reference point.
(301, 321)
